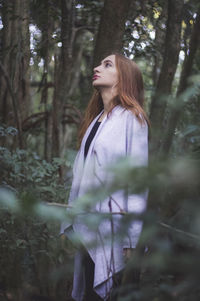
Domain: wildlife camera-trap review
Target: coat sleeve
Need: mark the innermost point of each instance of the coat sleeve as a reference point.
(137, 150)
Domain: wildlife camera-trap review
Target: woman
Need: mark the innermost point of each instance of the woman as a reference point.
(115, 125)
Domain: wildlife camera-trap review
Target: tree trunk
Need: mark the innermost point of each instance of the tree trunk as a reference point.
(111, 29)
(5, 50)
(24, 70)
(68, 73)
(159, 44)
(55, 119)
(46, 36)
(62, 80)
(171, 54)
(15, 60)
(185, 74)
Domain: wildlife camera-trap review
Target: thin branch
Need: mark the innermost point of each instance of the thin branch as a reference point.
(58, 205)
(70, 119)
(188, 234)
(28, 123)
(33, 124)
(84, 28)
(76, 110)
(41, 84)
(33, 116)
(179, 231)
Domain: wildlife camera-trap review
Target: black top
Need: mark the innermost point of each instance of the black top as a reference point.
(90, 137)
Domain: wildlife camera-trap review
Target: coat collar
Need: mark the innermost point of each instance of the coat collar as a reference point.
(95, 137)
(116, 111)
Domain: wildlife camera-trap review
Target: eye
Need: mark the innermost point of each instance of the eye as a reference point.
(108, 64)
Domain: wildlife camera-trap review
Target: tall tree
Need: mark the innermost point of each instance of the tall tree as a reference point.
(73, 37)
(15, 61)
(183, 84)
(111, 28)
(160, 32)
(62, 74)
(164, 84)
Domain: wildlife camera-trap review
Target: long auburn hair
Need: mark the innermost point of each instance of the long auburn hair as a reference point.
(130, 94)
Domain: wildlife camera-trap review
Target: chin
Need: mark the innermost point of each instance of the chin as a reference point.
(95, 85)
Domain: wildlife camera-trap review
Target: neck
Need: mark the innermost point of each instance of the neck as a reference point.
(107, 96)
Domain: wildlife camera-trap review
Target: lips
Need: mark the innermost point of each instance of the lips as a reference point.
(95, 76)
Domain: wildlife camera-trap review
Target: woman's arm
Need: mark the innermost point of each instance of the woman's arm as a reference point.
(137, 150)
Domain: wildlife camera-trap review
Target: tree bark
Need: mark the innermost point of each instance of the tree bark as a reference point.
(63, 73)
(111, 29)
(24, 67)
(15, 61)
(55, 119)
(170, 61)
(68, 73)
(5, 53)
(159, 44)
(183, 84)
(16, 113)
(46, 36)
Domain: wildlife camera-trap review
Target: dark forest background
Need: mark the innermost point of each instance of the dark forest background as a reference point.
(48, 49)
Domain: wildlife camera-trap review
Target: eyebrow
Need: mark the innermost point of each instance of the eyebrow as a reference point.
(106, 61)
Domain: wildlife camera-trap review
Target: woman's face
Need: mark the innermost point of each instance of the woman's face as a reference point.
(105, 75)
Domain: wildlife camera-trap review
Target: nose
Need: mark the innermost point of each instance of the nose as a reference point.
(96, 69)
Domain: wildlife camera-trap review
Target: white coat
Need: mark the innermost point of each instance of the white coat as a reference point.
(118, 135)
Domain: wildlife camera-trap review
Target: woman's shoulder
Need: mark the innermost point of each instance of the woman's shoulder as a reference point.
(139, 124)
(119, 110)
(124, 113)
